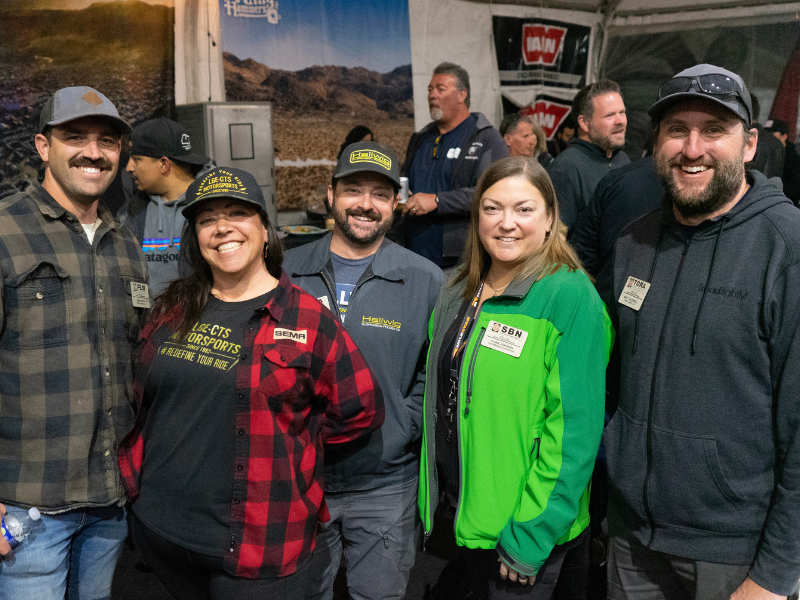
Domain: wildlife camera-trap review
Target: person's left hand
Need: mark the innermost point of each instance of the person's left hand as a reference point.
(420, 204)
(507, 573)
(750, 590)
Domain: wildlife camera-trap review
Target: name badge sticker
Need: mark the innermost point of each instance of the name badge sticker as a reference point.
(300, 336)
(634, 292)
(140, 296)
(505, 339)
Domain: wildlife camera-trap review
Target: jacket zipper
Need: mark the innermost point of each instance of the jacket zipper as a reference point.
(470, 370)
(332, 292)
(646, 486)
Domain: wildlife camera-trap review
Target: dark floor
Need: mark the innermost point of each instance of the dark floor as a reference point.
(133, 583)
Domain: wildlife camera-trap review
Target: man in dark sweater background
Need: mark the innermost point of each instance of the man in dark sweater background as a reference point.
(600, 114)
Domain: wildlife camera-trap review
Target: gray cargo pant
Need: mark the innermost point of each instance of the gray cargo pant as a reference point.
(378, 530)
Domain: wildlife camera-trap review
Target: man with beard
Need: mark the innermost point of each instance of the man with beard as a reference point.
(384, 295)
(600, 114)
(443, 163)
(74, 290)
(703, 451)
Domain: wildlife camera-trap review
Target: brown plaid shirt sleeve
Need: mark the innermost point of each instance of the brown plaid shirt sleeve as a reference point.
(67, 329)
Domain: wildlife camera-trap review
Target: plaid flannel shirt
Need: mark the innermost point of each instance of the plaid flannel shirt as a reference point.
(68, 329)
(293, 396)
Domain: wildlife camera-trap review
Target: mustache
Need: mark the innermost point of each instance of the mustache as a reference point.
(360, 212)
(81, 161)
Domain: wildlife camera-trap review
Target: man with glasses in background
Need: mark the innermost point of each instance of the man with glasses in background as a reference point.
(443, 163)
(704, 449)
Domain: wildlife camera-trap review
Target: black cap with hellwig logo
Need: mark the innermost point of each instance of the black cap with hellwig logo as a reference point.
(164, 137)
(368, 156)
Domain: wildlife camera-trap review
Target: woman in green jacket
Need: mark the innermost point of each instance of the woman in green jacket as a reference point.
(514, 396)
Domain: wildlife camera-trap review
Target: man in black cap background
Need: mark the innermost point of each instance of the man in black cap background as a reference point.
(162, 166)
(791, 159)
(74, 287)
(703, 451)
(384, 295)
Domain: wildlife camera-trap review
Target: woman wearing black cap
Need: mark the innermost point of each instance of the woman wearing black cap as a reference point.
(241, 378)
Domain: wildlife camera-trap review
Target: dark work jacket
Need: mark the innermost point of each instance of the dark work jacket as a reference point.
(704, 449)
(791, 173)
(482, 146)
(387, 317)
(621, 197)
(769, 154)
(575, 174)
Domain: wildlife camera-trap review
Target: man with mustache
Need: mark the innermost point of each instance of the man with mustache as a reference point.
(443, 163)
(703, 451)
(384, 295)
(162, 166)
(74, 291)
(600, 114)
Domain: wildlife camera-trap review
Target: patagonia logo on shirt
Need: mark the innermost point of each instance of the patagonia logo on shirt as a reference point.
(300, 336)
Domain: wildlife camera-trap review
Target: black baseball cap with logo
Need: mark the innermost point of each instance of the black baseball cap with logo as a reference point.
(781, 127)
(706, 81)
(71, 103)
(224, 182)
(368, 156)
(164, 137)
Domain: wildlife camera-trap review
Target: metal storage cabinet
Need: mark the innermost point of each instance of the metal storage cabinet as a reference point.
(235, 134)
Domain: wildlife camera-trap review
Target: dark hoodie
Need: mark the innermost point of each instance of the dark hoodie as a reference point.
(704, 451)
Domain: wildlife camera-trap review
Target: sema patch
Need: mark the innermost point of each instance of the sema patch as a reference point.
(300, 336)
(504, 338)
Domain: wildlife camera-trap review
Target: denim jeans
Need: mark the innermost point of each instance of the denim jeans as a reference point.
(70, 555)
(378, 531)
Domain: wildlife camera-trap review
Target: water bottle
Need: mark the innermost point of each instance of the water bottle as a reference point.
(15, 531)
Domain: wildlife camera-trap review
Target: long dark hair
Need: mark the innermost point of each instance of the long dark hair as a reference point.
(551, 256)
(185, 299)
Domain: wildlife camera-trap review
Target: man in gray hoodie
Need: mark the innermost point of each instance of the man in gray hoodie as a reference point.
(704, 450)
(162, 166)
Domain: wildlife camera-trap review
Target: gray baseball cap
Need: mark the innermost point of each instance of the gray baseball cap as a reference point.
(706, 81)
(368, 156)
(71, 103)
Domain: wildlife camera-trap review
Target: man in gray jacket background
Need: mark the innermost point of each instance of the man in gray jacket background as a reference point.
(384, 295)
(704, 449)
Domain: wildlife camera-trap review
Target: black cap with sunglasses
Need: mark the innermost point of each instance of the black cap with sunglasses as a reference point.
(706, 81)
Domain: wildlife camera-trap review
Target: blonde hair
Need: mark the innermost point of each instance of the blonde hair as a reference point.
(541, 140)
(553, 254)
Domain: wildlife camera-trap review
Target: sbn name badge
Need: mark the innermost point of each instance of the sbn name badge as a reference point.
(634, 292)
(505, 339)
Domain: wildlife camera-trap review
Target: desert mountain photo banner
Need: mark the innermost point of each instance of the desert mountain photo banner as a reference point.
(326, 67)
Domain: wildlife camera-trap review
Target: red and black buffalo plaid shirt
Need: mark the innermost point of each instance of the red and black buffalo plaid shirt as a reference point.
(293, 396)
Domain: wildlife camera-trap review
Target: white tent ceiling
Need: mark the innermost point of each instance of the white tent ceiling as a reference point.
(627, 8)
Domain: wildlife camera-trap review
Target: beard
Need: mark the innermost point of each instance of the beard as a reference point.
(352, 234)
(723, 187)
(606, 142)
(436, 113)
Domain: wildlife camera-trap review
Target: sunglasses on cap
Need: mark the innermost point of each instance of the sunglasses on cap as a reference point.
(713, 84)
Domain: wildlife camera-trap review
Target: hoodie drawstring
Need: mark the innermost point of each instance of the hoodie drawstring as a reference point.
(708, 281)
(649, 280)
(174, 223)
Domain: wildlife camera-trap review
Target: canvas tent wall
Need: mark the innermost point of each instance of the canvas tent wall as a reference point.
(639, 43)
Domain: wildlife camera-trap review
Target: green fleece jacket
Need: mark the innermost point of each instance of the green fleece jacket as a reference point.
(528, 427)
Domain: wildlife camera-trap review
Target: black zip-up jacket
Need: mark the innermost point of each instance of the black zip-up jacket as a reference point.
(575, 174)
(704, 450)
(387, 317)
(482, 146)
